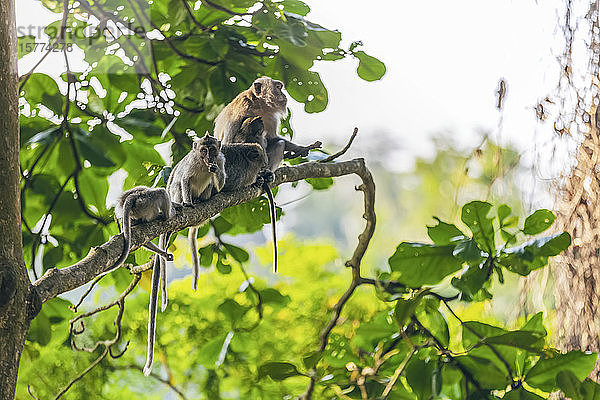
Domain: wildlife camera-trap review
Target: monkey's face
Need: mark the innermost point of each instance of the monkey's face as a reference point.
(271, 91)
(209, 156)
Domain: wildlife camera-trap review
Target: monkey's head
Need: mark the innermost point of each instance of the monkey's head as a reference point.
(271, 92)
(209, 148)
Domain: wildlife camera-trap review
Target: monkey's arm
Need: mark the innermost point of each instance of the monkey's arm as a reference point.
(293, 150)
(152, 247)
(186, 191)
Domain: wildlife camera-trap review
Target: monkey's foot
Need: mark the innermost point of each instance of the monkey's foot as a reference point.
(187, 204)
(302, 151)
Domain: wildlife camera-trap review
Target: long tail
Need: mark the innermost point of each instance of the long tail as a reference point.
(163, 244)
(267, 190)
(152, 307)
(192, 238)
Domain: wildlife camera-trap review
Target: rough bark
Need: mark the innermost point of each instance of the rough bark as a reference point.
(14, 283)
(57, 281)
(576, 272)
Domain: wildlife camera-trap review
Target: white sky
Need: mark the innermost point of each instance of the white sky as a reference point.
(444, 60)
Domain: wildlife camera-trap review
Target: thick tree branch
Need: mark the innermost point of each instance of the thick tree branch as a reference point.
(57, 281)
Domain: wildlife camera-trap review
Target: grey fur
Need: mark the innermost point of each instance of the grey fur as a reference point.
(141, 204)
(245, 165)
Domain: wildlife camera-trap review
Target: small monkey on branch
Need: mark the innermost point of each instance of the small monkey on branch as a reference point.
(141, 204)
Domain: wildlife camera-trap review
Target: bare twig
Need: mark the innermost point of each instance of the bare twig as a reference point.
(484, 342)
(82, 374)
(342, 151)
(368, 189)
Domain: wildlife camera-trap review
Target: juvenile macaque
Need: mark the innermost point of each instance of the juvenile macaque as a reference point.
(245, 165)
(264, 99)
(141, 204)
(194, 178)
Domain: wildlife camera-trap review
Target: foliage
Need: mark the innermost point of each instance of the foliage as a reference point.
(408, 342)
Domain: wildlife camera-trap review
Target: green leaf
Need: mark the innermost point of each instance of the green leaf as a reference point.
(42, 89)
(311, 359)
(278, 371)
(431, 318)
(90, 152)
(474, 215)
(444, 233)
(423, 264)
(210, 352)
(45, 137)
(521, 394)
(320, 183)
(569, 384)
(240, 255)
(538, 222)
(27, 45)
(206, 255)
(295, 7)
(467, 250)
(221, 225)
(233, 310)
(40, 330)
(273, 296)
(535, 324)
(503, 212)
(419, 376)
(369, 68)
(484, 371)
(405, 308)
(534, 254)
(544, 372)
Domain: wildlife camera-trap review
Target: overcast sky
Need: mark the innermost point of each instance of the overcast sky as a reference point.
(444, 60)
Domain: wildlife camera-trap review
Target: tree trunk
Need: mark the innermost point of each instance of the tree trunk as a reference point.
(15, 288)
(577, 275)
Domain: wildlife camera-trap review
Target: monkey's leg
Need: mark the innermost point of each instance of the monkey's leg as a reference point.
(152, 247)
(186, 192)
(275, 149)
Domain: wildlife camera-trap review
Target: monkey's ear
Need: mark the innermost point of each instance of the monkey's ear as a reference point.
(278, 84)
(257, 87)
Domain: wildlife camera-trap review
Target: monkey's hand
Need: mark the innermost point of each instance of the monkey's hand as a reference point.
(187, 204)
(267, 176)
(302, 151)
(212, 168)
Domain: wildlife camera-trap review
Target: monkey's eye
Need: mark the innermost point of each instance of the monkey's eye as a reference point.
(204, 151)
